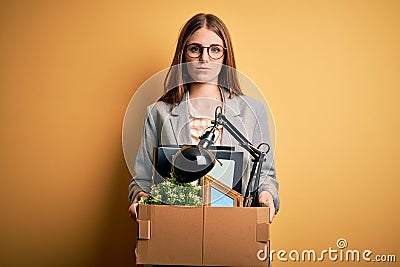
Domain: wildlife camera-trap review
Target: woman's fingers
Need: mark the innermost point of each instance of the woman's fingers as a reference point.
(266, 198)
(132, 207)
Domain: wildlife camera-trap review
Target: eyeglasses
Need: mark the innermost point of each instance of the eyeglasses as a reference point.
(213, 51)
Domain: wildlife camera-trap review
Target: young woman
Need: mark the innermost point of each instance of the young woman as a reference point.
(202, 76)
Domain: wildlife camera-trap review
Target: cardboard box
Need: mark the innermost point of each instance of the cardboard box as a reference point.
(202, 236)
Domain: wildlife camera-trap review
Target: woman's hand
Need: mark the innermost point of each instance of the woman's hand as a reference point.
(266, 198)
(132, 208)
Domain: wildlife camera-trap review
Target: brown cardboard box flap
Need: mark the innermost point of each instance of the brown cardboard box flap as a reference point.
(144, 230)
(262, 227)
(175, 235)
(231, 235)
(262, 215)
(144, 212)
(262, 232)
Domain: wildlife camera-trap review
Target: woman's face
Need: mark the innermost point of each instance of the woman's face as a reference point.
(204, 68)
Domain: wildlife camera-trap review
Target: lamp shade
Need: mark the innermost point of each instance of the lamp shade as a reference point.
(191, 163)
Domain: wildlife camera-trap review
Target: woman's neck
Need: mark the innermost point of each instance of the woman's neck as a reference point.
(205, 98)
(205, 90)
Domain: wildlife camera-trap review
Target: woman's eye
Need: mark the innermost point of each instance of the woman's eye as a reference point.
(195, 49)
(215, 49)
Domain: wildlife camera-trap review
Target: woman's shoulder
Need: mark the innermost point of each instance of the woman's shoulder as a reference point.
(246, 102)
(159, 107)
(249, 100)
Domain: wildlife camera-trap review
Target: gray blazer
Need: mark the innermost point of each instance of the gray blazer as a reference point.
(166, 125)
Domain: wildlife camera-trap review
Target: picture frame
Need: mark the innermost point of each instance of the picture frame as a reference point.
(217, 194)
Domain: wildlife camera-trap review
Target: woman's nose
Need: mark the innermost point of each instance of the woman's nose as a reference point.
(204, 56)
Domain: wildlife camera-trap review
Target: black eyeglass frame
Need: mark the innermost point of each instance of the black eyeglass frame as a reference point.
(208, 50)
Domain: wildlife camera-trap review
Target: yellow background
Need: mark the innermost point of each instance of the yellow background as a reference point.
(329, 70)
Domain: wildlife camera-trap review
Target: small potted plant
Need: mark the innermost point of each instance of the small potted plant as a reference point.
(172, 192)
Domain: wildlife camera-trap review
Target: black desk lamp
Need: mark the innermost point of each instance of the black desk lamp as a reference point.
(193, 162)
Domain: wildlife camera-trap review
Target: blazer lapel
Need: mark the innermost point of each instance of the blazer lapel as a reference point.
(179, 121)
(232, 113)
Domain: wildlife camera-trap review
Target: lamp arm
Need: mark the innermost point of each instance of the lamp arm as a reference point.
(250, 198)
(242, 140)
